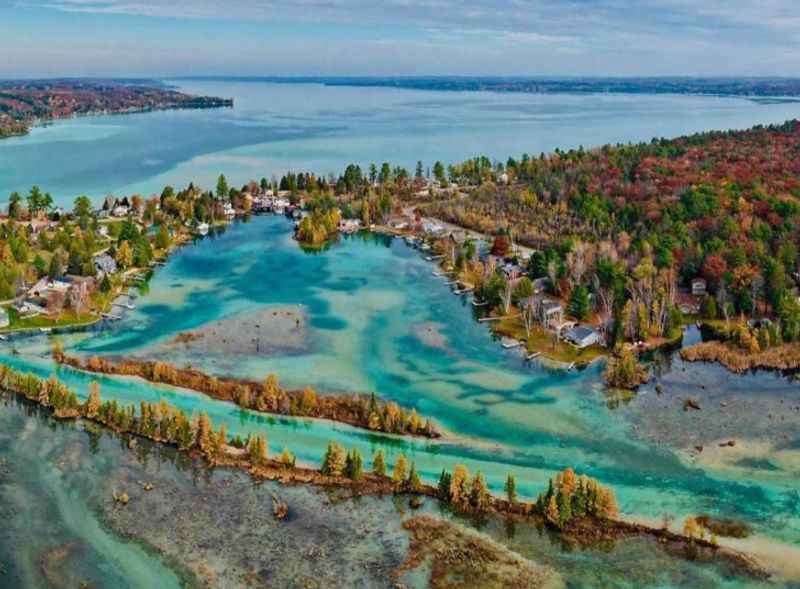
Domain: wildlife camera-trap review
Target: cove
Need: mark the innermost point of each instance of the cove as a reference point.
(369, 305)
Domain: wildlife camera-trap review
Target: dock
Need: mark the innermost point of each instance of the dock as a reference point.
(533, 356)
(128, 306)
(479, 304)
(509, 343)
(464, 290)
(111, 316)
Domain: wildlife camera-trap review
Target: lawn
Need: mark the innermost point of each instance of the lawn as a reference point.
(544, 342)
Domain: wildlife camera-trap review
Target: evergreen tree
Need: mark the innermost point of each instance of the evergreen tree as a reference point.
(443, 488)
(579, 305)
(412, 482)
(353, 468)
(511, 489)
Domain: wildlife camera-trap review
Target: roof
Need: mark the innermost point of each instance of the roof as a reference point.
(581, 332)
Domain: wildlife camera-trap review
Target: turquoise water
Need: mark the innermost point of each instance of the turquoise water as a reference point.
(276, 127)
(364, 299)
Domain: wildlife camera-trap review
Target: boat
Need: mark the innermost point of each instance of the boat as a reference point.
(45, 330)
(202, 228)
(509, 343)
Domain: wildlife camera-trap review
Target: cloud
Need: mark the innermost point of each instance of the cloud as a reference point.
(634, 37)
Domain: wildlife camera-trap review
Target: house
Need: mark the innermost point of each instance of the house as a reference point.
(540, 284)
(583, 336)
(699, 286)
(551, 312)
(5, 321)
(511, 271)
(228, 210)
(104, 264)
(120, 211)
(28, 308)
(349, 225)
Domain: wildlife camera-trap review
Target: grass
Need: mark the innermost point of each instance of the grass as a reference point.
(544, 343)
(65, 319)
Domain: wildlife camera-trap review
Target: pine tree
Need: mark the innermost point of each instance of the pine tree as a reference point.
(458, 484)
(511, 489)
(412, 482)
(443, 488)
(353, 468)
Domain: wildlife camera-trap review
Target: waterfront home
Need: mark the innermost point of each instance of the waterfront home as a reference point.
(699, 287)
(349, 225)
(120, 211)
(228, 210)
(432, 228)
(551, 313)
(583, 336)
(28, 308)
(5, 320)
(104, 265)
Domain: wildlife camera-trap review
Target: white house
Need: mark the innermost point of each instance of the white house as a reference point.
(699, 286)
(583, 336)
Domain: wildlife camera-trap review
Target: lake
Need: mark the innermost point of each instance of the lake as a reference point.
(367, 314)
(278, 127)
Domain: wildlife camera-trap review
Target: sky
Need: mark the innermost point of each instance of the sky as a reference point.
(41, 38)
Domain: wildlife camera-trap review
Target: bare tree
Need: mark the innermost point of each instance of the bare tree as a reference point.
(528, 315)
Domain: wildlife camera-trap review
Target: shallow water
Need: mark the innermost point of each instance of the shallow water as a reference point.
(217, 526)
(363, 298)
(278, 127)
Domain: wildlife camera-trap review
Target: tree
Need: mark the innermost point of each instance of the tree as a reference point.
(439, 174)
(511, 489)
(257, 449)
(222, 187)
(789, 314)
(412, 482)
(399, 472)
(458, 484)
(333, 464)
(353, 468)
(93, 403)
(105, 284)
(15, 205)
(379, 464)
(579, 305)
(124, 255)
(82, 207)
(162, 237)
(443, 488)
(54, 270)
(479, 498)
(523, 290)
(204, 433)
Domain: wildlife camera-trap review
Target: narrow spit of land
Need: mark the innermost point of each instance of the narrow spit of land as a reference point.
(365, 411)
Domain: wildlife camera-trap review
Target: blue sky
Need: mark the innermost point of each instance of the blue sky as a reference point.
(399, 37)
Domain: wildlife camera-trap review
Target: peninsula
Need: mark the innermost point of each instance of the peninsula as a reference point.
(25, 103)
